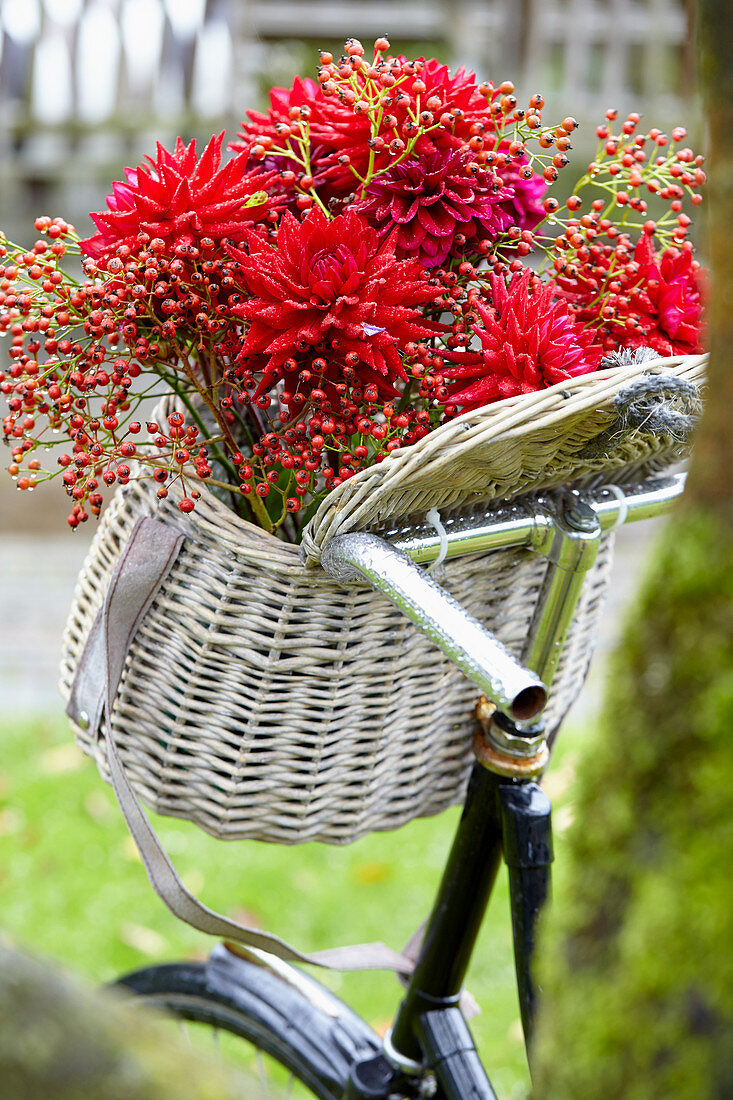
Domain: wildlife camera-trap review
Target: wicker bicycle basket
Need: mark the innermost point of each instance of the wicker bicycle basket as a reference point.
(261, 700)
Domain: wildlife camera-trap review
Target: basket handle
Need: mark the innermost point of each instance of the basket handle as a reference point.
(140, 571)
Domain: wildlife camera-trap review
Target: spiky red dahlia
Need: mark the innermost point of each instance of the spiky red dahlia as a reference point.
(331, 286)
(180, 199)
(334, 130)
(528, 342)
(437, 206)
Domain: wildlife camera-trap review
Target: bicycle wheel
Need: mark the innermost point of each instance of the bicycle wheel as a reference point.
(280, 1011)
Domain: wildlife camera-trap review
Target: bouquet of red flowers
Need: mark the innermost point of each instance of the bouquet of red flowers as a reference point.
(381, 253)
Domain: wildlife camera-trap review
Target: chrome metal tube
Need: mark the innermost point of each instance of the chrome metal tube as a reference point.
(482, 657)
(572, 551)
(645, 501)
(529, 524)
(466, 533)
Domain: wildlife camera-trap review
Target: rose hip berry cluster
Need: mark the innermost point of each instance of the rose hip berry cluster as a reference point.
(353, 276)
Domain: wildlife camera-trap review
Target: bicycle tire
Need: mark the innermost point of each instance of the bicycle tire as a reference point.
(279, 1010)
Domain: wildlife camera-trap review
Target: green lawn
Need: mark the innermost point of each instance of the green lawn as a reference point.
(74, 890)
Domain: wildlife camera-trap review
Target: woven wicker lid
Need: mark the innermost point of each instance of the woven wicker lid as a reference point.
(517, 445)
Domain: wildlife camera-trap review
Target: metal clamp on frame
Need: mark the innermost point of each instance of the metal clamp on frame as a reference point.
(509, 750)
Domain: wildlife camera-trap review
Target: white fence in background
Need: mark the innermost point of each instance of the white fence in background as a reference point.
(71, 65)
(86, 85)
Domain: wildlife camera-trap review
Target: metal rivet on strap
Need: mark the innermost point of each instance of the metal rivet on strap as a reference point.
(83, 720)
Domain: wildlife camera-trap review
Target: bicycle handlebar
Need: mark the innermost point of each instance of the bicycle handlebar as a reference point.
(478, 653)
(513, 525)
(388, 562)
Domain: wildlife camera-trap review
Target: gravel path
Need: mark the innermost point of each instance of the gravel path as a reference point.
(37, 577)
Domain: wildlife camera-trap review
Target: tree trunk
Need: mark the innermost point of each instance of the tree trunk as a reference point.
(711, 475)
(638, 965)
(62, 1041)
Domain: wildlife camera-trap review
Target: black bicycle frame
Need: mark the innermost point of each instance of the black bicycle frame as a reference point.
(500, 816)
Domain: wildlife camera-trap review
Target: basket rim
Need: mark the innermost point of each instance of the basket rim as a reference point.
(512, 416)
(511, 419)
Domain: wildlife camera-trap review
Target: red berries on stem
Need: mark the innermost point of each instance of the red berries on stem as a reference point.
(352, 278)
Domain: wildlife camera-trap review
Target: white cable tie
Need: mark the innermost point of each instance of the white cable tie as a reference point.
(623, 502)
(433, 517)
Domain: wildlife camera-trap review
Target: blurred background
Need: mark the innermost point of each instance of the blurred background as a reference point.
(89, 86)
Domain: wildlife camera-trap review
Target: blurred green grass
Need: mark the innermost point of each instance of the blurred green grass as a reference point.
(74, 889)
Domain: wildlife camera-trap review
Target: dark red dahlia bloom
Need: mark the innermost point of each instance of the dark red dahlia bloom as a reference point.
(528, 342)
(335, 131)
(180, 199)
(331, 286)
(437, 206)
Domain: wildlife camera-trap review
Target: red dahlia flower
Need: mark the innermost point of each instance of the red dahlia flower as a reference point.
(667, 301)
(180, 199)
(529, 342)
(656, 299)
(336, 131)
(458, 95)
(437, 206)
(331, 286)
